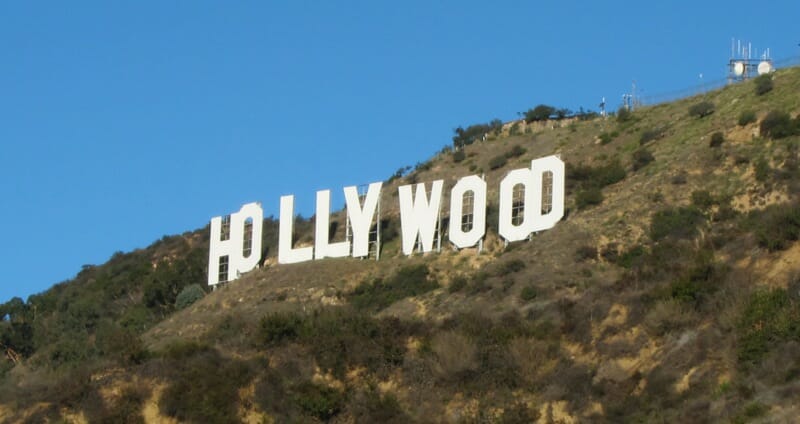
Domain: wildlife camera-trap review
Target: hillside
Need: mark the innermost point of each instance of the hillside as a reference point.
(670, 292)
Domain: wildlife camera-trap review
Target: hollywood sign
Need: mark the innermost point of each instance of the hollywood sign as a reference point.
(235, 246)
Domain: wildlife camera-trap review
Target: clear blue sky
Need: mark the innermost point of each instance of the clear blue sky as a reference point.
(121, 122)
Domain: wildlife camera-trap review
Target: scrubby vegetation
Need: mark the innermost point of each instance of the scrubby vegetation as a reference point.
(763, 84)
(701, 110)
(747, 117)
(675, 301)
(465, 137)
(379, 293)
(779, 124)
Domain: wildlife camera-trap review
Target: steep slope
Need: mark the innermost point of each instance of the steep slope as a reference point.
(669, 292)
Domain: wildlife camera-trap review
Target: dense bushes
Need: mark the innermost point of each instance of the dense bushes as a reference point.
(681, 222)
(641, 157)
(497, 162)
(464, 137)
(591, 179)
(539, 113)
(589, 196)
(510, 267)
(624, 115)
(528, 293)
(746, 117)
(716, 139)
(651, 135)
(204, 385)
(318, 401)
(606, 138)
(596, 176)
(701, 110)
(770, 318)
(378, 294)
(190, 294)
(779, 124)
(515, 151)
(763, 84)
(777, 226)
(340, 337)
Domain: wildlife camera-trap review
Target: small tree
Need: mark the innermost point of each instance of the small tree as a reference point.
(702, 109)
(641, 158)
(747, 117)
(588, 197)
(716, 139)
(778, 125)
(763, 84)
(190, 294)
(497, 162)
(539, 113)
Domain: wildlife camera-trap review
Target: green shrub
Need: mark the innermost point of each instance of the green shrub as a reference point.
(702, 199)
(472, 133)
(597, 176)
(204, 387)
(777, 125)
(697, 282)
(701, 110)
(624, 115)
(370, 406)
(588, 197)
(777, 226)
(539, 113)
(320, 402)
(510, 267)
(651, 135)
(190, 294)
(641, 157)
(678, 179)
(606, 138)
(407, 281)
(128, 407)
(747, 117)
(585, 252)
(120, 344)
(750, 412)
(716, 139)
(519, 412)
(681, 222)
(528, 293)
(457, 284)
(631, 257)
(761, 170)
(763, 84)
(459, 156)
(769, 319)
(515, 151)
(279, 327)
(497, 162)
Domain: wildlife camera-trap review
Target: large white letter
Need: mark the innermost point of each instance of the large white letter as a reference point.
(506, 227)
(477, 186)
(555, 166)
(361, 217)
(229, 252)
(419, 216)
(287, 254)
(323, 248)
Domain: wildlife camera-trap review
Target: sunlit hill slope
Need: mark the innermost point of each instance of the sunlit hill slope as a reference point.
(670, 292)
